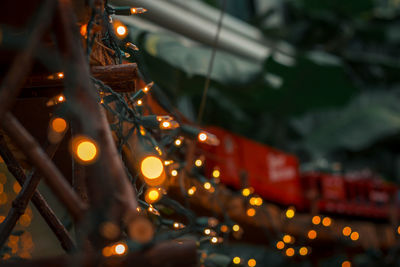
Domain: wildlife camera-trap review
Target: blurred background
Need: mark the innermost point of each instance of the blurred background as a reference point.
(314, 78)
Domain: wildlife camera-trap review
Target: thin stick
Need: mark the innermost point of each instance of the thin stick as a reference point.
(45, 166)
(22, 63)
(37, 199)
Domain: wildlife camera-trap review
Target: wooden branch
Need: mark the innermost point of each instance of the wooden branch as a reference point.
(11, 85)
(37, 199)
(122, 78)
(108, 183)
(44, 165)
(165, 254)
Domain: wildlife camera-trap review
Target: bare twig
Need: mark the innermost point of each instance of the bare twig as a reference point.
(40, 203)
(45, 166)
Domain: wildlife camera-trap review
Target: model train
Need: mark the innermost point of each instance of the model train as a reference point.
(276, 177)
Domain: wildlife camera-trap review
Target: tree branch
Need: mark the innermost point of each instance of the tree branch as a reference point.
(37, 199)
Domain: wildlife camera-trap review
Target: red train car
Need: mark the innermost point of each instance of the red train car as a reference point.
(275, 176)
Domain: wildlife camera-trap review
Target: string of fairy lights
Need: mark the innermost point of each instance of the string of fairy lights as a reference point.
(160, 154)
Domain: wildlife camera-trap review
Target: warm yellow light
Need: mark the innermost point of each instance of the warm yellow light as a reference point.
(290, 252)
(258, 201)
(174, 173)
(251, 212)
(60, 75)
(178, 142)
(326, 221)
(236, 260)
(139, 102)
(152, 195)
(346, 264)
(354, 236)
(224, 228)
(165, 125)
(151, 167)
(316, 220)
(214, 240)
(198, 162)
(280, 245)
(252, 262)
(236, 228)
(58, 125)
(303, 251)
(61, 98)
(107, 251)
(83, 30)
(346, 231)
(191, 190)
(287, 238)
(312, 234)
(120, 249)
(121, 30)
(84, 149)
(202, 137)
(207, 231)
(398, 230)
(216, 173)
(290, 213)
(246, 192)
(16, 187)
(207, 185)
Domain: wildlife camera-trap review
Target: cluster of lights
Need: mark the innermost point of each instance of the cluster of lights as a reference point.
(250, 262)
(347, 231)
(118, 249)
(326, 221)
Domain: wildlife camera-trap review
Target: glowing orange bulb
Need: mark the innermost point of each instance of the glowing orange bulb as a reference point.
(152, 167)
(303, 251)
(326, 221)
(207, 185)
(58, 125)
(290, 213)
(152, 195)
(139, 102)
(120, 249)
(287, 238)
(60, 75)
(174, 172)
(312, 234)
(252, 262)
(86, 151)
(83, 30)
(61, 98)
(191, 190)
(224, 228)
(198, 162)
(236, 260)
(398, 230)
(316, 220)
(280, 245)
(251, 212)
(236, 228)
(354, 236)
(290, 252)
(346, 231)
(246, 192)
(346, 264)
(202, 137)
(216, 173)
(107, 251)
(121, 30)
